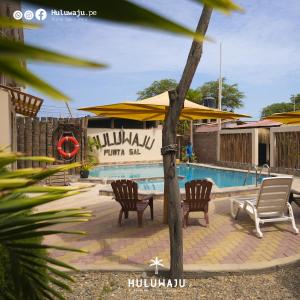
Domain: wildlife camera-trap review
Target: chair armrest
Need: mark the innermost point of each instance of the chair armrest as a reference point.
(250, 203)
(293, 191)
(147, 197)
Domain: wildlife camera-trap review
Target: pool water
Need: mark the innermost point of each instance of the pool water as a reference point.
(153, 175)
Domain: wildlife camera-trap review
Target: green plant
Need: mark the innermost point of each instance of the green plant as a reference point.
(86, 166)
(184, 157)
(26, 269)
(91, 153)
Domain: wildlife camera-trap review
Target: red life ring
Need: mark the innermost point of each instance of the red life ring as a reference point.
(67, 139)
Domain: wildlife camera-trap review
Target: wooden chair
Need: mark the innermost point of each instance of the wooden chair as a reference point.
(126, 193)
(198, 194)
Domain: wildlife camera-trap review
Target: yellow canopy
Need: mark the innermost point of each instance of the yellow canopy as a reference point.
(289, 118)
(154, 109)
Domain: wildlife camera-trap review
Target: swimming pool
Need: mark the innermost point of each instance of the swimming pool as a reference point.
(152, 175)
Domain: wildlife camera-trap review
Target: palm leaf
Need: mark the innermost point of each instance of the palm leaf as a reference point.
(33, 234)
(59, 273)
(121, 11)
(19, 73)
(6, 184)
(36, 158)
(45, 287)
(60, 284)
(33, 262)
(7, 158)
(28, 172)
(47, 259)
(12, 49)
(21, 231)
(46, 189)
(5, 230)
(39, 246)
(26, 203)
(51, 171)
(6, 22)
(225, 6)
(11, 221)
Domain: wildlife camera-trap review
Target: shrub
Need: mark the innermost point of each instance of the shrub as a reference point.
(27, 272)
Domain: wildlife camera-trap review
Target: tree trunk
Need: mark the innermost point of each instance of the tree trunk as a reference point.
(169, 155)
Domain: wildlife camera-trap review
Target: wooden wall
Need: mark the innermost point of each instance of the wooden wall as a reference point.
(236, 147)
(39, 137)
(287, 149)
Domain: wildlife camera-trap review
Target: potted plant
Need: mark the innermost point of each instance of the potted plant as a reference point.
(85, 170)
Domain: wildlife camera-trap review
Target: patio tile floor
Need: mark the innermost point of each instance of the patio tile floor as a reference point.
(225, 241)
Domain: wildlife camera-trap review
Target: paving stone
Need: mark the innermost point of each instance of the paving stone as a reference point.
(225, 241)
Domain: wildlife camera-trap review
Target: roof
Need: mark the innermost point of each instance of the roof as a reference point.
(25, 104)
(257, 124)
(207, 128)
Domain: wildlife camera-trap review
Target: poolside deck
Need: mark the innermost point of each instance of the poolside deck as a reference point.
(225, 244)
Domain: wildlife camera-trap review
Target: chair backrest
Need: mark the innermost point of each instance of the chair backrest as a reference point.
(273, 195)
(198, 193)
(126, 193)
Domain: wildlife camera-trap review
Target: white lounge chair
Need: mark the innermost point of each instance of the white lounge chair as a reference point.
(270, 205)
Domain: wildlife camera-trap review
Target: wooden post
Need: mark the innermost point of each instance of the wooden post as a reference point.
(55, 137)
(43, 140)
(28, 141)
(35, 140)
(50, 145)
(20, 137)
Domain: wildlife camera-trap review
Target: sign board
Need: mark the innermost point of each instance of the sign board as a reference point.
(127, 145)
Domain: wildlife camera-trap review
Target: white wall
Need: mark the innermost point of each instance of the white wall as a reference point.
(6, 115)
(127, 145)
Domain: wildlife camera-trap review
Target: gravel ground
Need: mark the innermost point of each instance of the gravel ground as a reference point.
(281, 284)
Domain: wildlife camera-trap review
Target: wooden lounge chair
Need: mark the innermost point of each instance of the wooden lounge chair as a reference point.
(198, 194)
(126, 193)
(270, 205)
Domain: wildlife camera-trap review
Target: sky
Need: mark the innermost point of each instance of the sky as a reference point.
(260, 54)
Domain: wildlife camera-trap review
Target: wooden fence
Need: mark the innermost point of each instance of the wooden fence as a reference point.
(236, 147)
(287, 149)
(39, 137)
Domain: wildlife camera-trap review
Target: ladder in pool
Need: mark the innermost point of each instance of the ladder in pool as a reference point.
(258, 172)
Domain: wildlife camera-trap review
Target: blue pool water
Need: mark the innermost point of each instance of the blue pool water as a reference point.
(222, 178)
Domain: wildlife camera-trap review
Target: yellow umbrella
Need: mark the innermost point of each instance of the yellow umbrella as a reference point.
(289, 118)
(155, 108)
